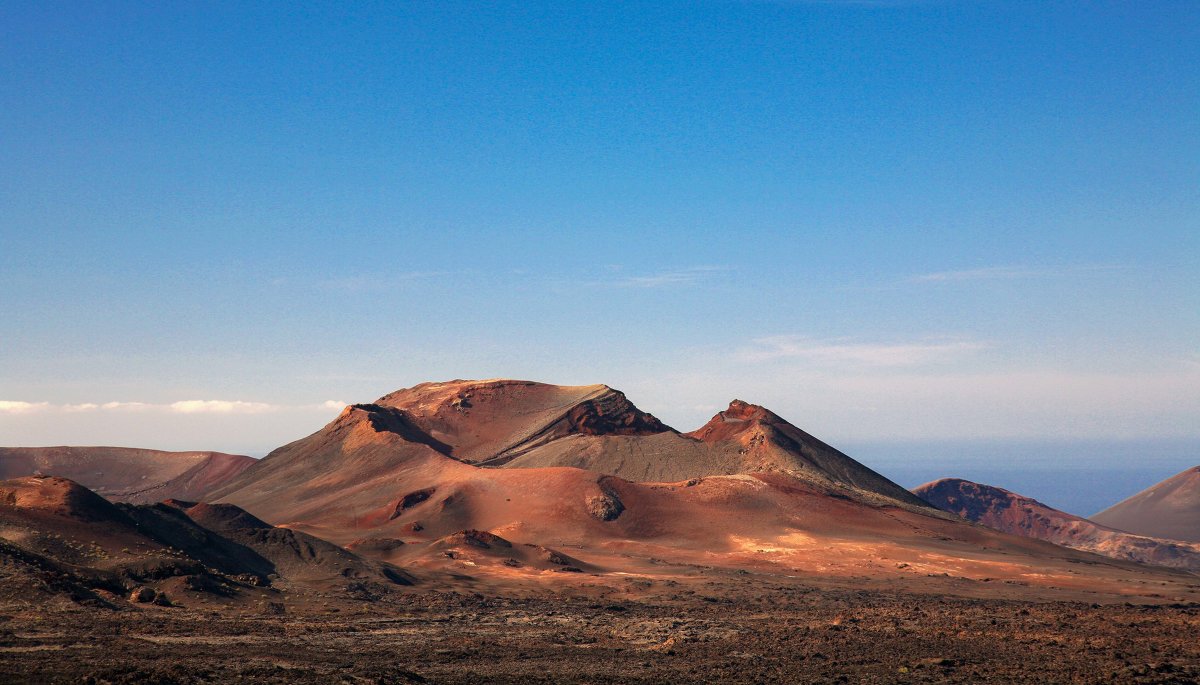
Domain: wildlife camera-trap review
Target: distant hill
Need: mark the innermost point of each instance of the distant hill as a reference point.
(127, 474)
(1012, 513)
(1170, 509)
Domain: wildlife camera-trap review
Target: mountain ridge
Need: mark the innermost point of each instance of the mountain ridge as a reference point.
(1017, 514)
(128, 474)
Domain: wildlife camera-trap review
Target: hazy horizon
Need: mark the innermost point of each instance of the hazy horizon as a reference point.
(1076, 475)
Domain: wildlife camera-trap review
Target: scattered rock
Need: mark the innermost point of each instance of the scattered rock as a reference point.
(478, 538)
(606, 506)
(411, 500)
(274, 608)
(375, 545)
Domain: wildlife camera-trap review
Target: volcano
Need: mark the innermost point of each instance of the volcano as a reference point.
(463, 439)
(419, 476)
(522, 424)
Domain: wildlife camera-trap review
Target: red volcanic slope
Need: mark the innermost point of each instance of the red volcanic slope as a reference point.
(1012, 513)
(765, 438)
(1170, 509)
(445, 429)
(127, 474)
(522, 424)
(493, 422)
(57, 497)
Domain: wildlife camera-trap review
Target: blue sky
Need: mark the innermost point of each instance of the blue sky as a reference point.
(887, 221)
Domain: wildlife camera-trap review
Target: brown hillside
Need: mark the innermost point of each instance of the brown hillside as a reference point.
(1012, 513)
(126, 474)
(1170, 509)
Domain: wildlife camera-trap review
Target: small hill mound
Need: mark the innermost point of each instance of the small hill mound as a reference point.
(289, 553)
(58, 497)
(104, 546)
(223, 517)
(765, 439)
(474, 548)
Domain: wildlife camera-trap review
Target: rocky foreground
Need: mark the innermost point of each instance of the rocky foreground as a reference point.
(722, 631)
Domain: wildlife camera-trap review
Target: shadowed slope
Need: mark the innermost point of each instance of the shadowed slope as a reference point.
(342, 470)
(70, 524)
(1012, 513)
(492, 422)
(745, 438)
(292, 554)
(1170, 509)
(769, 442)
(53, 525)
(127, 474)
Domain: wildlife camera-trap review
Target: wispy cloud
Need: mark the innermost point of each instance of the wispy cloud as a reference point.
(983, 274)
(180, 407)
(19, 407)
(857, 353)
(129, 406)
(672, 277)
(375, 282)
(219, 407)
(992, 273)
